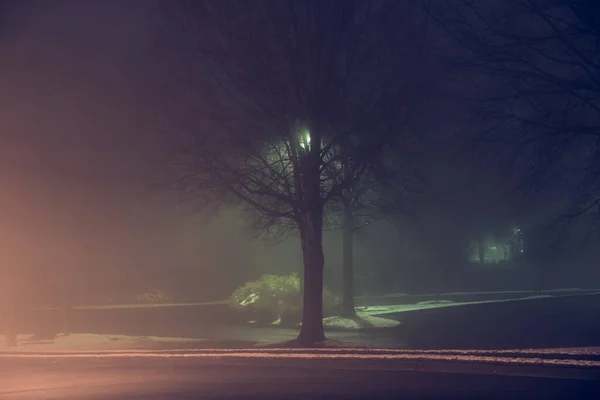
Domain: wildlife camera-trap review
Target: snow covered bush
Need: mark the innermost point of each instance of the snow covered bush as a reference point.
(274, 297)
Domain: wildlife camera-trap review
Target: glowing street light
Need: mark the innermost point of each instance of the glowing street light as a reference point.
(305, 140)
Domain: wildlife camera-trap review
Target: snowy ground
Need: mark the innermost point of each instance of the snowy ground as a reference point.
(413, 300)
(78, 342)
(375, 316)
(380, 310)
(94, 342)
(361, 322)
(321, 353)
(403, 298)
(138, 305)
(371, 317)
(115, 345)
(364, 321)
(388, 310)
(516, 292)
(532, 321)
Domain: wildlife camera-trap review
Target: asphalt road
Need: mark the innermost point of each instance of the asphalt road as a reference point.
(169, 381)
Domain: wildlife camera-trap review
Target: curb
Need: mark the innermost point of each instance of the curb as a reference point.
(499, 366)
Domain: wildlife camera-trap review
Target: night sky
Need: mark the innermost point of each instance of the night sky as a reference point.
(82, 139)
(76, 147)
(80, 148)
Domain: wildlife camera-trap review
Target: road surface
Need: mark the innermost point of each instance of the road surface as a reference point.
(167, 380)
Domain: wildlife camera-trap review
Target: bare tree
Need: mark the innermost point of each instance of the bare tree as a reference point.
(279, 86)
(533, 67)
(369, 195)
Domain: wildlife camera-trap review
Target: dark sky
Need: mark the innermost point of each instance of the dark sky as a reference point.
(68, 104)
(75, 140)
(78, 145)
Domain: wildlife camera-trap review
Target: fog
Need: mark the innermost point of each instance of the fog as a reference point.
(79, 155)
(79, 151)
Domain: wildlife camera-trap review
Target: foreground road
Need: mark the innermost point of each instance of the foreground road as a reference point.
(168, 380)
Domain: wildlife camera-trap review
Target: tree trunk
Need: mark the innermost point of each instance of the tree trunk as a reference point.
(304, 261)
(481, 249)
(312, 302)
(348, 310)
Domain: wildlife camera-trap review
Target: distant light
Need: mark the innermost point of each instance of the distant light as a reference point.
(305, 140)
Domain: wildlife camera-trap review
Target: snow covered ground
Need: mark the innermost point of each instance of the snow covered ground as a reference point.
(516, 292)
(403, 298)
(95, 342)
(565, 319)
(433, 304)
(321, 354)
(364, 321)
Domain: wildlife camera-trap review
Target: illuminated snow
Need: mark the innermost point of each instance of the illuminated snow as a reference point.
(313, 354)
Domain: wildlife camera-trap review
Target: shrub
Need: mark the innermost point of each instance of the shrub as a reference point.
(264, 300)
(274, 297)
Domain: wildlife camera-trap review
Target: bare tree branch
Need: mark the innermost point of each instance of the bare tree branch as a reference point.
(537, 70)
(283, 87)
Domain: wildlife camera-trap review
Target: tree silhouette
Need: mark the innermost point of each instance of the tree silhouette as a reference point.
(279, 87)
(369, 195)
(533, 67)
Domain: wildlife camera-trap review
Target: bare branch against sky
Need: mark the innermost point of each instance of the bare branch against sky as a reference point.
(285, 85)
(534, 69)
